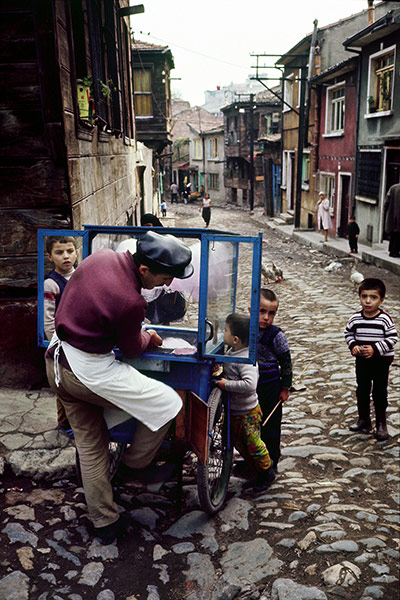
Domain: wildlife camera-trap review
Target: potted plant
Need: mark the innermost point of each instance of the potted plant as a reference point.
(371, 104)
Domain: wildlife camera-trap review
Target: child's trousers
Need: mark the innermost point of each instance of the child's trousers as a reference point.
(372, 373)
(245, 431)
(268, 396)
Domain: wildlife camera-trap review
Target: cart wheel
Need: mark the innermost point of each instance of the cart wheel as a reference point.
(213, 477)
(115, 451)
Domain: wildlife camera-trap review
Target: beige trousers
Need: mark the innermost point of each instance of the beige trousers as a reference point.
(84, 410)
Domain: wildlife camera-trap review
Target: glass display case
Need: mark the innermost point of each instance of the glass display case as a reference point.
(190, 314)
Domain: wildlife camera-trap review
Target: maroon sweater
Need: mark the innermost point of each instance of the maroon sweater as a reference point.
(102, 307)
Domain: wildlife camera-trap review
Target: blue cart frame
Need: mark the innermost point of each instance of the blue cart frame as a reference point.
(203, 425)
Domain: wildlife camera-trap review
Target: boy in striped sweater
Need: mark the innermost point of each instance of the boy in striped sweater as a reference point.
(371, 335)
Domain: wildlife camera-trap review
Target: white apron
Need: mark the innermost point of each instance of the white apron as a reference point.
(148, 400)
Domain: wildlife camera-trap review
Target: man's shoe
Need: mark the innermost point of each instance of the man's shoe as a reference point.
(67, 431)
(381, 433)
(109, 533)
(362, 426)
(264, 480)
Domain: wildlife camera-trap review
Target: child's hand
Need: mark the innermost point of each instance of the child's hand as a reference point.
(367, 351)
(356, 350)
(284, 395)
(220, 383)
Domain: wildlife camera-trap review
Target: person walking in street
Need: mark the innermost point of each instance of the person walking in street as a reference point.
(352, 233)
(275, 380)
(206, 209)
(392, 219)
(371, 336)
(323, 217)
(241, 380)
(174, 192)
(101, 309)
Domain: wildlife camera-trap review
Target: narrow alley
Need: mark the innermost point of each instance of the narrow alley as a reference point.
(327, 528)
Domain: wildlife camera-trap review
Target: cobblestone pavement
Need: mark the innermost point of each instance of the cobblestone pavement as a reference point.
(328, 527)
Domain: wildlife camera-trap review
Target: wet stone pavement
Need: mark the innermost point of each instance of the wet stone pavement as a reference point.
(328, 528)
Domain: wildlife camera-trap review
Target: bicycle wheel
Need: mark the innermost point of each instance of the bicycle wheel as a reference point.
(115, 451)
(213, 477)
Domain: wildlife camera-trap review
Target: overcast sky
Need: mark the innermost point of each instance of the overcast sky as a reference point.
(211, 40)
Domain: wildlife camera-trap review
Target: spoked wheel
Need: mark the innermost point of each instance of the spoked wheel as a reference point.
(115, 451)
(213, 477)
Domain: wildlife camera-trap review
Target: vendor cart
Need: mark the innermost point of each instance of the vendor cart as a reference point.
(226, 279)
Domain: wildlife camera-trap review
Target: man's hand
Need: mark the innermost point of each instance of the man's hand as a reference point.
(284, 395)
(155, 339)
(220, 383)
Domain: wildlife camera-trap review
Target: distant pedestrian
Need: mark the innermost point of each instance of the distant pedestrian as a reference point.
(324, 220)
(174, 192)
(392, 219)
(371, 335)
(150, 220)
(186, 192)
(163, 208)
(206, 209)
(352, 233)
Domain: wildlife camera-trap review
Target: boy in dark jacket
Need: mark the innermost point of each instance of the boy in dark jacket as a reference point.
(352, 233)
(275, 368)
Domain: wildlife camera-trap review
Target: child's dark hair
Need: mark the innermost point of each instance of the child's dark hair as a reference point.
(268, 294)
(373, 284)
(50, 241)
(239, 325)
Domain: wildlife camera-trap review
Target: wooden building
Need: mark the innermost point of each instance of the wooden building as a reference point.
(242, 119)
(152, 65)
(68, 155)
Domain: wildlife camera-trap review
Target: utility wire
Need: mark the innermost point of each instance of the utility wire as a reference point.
(193, 51)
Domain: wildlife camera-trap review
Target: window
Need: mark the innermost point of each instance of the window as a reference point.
(381, 75)
(328, 187)
(335, 97)
(288, 89)
(306, 170)
(142, 93)
(369, 176)
(197, 149)
(213, 181)
(213, 148)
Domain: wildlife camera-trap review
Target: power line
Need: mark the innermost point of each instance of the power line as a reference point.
(193, 51)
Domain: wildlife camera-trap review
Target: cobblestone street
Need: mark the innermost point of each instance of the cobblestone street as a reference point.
(327, 529)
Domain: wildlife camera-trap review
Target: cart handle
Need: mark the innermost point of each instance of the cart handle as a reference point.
(211, 331)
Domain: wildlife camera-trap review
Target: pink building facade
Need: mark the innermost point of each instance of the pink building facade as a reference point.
(335, 139)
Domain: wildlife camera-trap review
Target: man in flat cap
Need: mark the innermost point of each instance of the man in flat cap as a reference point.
(101, 309)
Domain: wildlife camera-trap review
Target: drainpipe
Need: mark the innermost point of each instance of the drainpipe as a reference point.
(300, 147)
(358, 90)
(309, 75)
(371, 12)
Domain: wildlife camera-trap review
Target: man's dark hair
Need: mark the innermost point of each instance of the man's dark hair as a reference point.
(373, 284)
(268, 294)
(239, 324)
(51, 240)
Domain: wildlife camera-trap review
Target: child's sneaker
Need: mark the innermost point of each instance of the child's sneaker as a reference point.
(264, 480)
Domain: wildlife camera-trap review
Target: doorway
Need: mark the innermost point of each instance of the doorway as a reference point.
(343, 207)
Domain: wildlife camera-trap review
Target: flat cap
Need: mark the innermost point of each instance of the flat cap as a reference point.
(164, 253)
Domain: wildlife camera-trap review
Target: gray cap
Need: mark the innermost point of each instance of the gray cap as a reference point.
(164, 253)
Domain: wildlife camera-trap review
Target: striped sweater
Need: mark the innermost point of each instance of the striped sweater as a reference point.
(378, 332)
